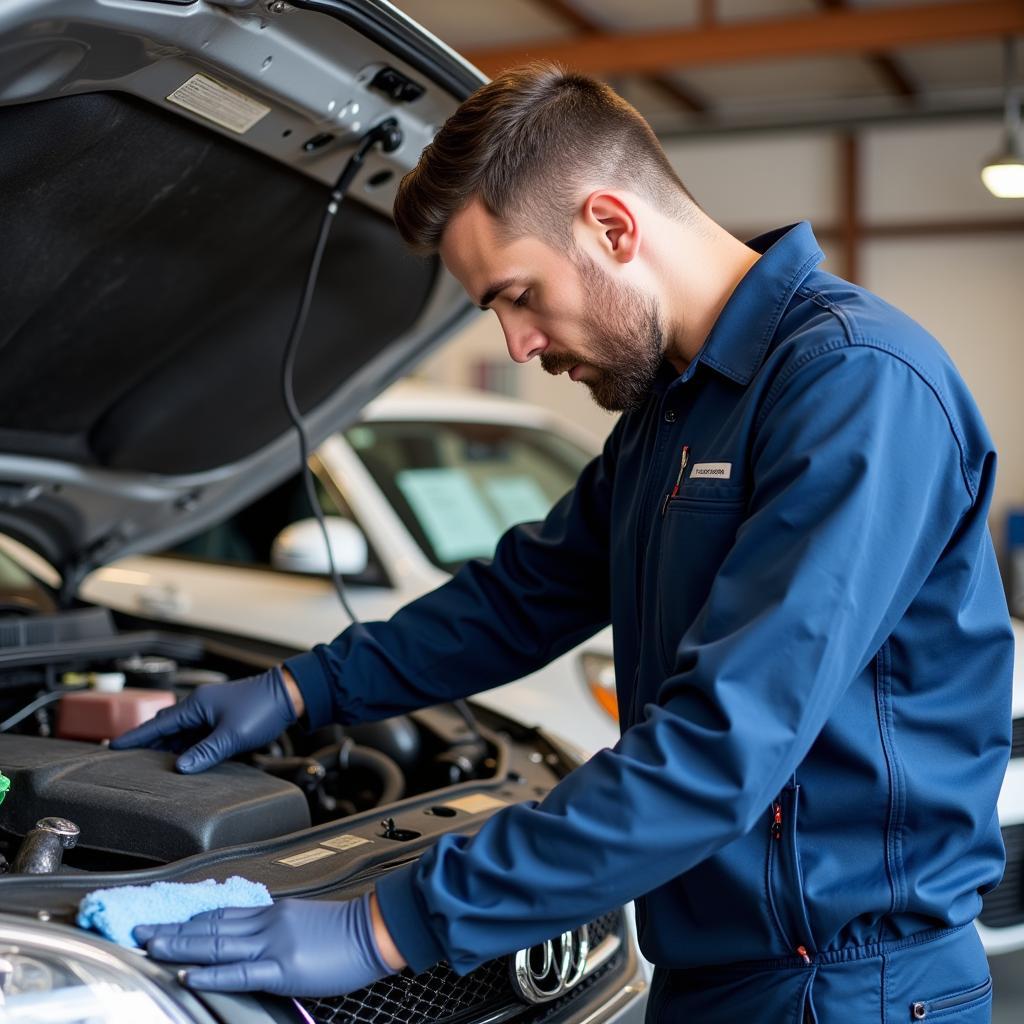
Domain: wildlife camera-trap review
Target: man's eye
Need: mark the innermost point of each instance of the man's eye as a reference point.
(521, 301)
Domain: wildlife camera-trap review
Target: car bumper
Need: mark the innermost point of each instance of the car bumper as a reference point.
(627, 1006)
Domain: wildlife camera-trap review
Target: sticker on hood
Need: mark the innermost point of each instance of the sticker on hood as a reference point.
(229, 108)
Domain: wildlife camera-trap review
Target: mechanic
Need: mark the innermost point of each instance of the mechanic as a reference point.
(787, 530)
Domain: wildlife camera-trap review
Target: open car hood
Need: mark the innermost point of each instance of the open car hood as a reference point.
(164, 170)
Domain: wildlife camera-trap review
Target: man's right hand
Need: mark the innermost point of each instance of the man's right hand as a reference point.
(238, 716)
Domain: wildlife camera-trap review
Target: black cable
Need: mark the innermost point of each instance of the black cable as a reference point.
(389, 136)
(39, 702)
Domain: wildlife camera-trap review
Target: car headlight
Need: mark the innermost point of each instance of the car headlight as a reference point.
(53, 977)
(599, 676)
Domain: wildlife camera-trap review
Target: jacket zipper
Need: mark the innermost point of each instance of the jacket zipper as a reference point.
(645, 527)
(920, 1010)
(684, 458)
(776, 833)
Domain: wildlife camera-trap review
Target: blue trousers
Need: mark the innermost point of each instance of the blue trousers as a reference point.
(940, 976)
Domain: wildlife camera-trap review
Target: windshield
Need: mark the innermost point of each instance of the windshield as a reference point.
(458, 486)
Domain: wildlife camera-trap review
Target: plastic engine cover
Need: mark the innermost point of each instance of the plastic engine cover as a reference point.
(134, 802)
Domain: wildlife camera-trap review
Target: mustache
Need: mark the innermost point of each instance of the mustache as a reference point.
(556, 364)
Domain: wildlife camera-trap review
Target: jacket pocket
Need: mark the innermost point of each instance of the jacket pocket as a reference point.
(696, 535)
(948, 1006)
(785, 883)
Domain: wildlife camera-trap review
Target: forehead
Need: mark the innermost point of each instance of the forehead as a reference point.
(478, 254)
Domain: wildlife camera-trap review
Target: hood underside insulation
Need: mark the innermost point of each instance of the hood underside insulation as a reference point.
(149, 272)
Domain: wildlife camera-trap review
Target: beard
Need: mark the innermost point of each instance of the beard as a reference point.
(625, 337)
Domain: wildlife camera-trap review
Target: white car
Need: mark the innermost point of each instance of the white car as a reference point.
(427, 478)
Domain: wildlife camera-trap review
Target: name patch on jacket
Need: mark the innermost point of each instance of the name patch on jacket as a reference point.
(717, 470)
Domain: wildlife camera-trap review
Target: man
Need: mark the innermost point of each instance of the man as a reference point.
(787, 529)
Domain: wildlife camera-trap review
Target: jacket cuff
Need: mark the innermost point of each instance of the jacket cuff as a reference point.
(405, 915)
(308, 672)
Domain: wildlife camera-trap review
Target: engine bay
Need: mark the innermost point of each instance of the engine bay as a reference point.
(71, 681)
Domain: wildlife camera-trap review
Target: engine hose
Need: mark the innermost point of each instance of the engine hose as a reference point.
(350, 755)
(305, 772)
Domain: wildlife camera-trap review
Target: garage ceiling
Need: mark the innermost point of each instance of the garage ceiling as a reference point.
(712, 65)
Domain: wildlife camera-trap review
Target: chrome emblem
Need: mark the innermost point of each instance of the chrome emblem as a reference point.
(548, 970)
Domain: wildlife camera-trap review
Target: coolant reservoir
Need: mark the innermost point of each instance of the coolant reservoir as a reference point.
(93, 715)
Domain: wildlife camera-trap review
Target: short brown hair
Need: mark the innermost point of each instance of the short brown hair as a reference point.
(526, 143)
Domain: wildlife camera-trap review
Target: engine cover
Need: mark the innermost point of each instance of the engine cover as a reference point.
(134, 802)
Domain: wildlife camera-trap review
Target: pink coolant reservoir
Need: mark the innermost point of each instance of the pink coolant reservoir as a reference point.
(106, 710)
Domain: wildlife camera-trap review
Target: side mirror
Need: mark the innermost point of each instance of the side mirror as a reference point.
(300, 547)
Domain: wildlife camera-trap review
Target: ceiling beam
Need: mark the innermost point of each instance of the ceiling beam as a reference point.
(898, 80)
(841, 116)
(888, 68)
(682, 93)
(679, 93)
(567, 12)
(860, 30)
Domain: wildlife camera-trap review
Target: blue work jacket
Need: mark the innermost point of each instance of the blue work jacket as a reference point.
(812, 651)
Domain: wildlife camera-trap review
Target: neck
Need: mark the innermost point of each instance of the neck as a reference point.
(699, 269)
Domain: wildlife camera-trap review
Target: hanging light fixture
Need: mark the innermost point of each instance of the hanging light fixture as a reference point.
(1003, 174)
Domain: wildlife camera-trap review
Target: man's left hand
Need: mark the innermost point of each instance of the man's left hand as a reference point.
(294, 947)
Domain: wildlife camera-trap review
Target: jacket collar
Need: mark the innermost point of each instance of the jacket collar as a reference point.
(739, 340)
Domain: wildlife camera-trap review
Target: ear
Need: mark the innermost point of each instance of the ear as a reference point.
(610, 220)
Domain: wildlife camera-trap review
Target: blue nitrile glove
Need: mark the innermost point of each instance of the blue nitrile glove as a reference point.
(293, 948)
(242, 715)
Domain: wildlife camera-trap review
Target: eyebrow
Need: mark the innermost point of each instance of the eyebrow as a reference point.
(495, 290)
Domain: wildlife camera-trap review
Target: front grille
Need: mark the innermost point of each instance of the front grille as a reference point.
(440, 996)
(1017, 741)
(1004, 905)
(599, 930)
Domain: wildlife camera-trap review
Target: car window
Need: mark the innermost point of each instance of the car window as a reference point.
(458, 486)
(246, 538)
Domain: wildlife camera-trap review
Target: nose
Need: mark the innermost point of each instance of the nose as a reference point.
(524, 341)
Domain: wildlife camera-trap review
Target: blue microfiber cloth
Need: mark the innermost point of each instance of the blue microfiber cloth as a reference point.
(115, 912)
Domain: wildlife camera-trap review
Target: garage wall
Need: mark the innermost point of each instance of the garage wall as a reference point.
(751, 183)
(966, 289)
(967, 292)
